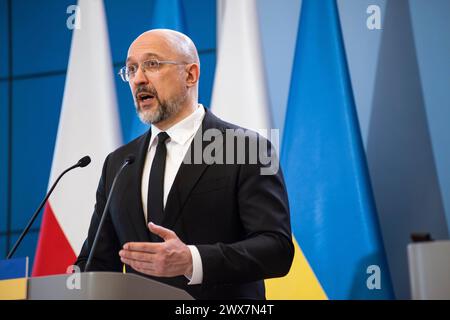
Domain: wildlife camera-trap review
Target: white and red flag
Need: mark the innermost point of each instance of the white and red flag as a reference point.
(88, 125)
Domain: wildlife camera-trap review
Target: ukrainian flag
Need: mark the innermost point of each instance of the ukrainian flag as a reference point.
(339, 250)
(13, 279)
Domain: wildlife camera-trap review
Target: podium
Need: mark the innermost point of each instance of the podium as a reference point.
(429, 265)
(101, 286)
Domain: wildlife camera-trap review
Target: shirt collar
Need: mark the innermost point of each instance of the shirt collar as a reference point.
(182, 131)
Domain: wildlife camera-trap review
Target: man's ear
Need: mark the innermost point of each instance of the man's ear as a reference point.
(192, 74)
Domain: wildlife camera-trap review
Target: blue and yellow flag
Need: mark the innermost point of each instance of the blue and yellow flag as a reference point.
(13, 279)
(340, 254)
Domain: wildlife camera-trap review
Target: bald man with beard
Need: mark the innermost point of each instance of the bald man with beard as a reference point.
(216, 230)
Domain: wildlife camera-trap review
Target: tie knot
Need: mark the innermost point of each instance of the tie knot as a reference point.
(162, 137)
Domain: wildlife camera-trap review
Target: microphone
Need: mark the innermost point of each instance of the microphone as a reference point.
(83, 162)
(128, 160)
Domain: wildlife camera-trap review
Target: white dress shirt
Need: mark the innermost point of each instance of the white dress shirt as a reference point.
(181, 135)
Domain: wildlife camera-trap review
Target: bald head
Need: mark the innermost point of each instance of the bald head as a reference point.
(171, 42)
(167, 92)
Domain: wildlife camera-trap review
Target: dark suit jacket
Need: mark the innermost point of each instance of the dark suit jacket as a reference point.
(237, 218)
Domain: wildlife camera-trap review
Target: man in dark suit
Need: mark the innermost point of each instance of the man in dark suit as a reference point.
(183, 213)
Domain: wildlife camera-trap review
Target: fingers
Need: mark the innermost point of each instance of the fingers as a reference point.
(139, 256)
(163, 259)
(162, 232)
(141, 266)
(150, 267)
(136, 255)
(139, 261)
(148, 247)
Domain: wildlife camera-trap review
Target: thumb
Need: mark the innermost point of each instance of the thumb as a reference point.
(162, 232)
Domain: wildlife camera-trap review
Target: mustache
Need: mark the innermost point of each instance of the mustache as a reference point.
(144, 89)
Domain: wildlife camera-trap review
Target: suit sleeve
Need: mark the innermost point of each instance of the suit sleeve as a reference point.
(106, 257)
(267, 250)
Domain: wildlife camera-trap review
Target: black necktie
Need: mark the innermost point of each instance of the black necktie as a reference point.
(155, 196)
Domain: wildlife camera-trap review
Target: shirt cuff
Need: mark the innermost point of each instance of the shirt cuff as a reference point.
(197, 267)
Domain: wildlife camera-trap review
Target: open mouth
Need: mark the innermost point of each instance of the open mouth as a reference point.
(145, 97)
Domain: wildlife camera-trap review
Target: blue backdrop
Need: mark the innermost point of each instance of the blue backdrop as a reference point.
(34, 52)
(404, 128)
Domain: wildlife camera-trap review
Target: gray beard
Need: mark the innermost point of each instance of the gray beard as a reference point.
(164, 110)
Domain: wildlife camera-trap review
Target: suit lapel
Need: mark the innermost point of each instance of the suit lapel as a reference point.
(188, 174)
(133, 193)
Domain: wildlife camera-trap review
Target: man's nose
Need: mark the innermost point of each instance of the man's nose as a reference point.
(139, 77)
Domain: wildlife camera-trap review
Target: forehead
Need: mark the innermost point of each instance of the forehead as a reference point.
(150, 46)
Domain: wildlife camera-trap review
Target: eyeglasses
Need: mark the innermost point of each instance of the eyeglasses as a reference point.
(152, 65)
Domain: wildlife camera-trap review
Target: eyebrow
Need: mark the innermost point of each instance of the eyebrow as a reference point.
(146, 55)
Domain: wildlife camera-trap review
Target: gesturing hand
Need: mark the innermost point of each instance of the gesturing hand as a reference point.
(162, 259)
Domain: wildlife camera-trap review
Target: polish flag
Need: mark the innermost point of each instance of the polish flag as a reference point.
(88, 125)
